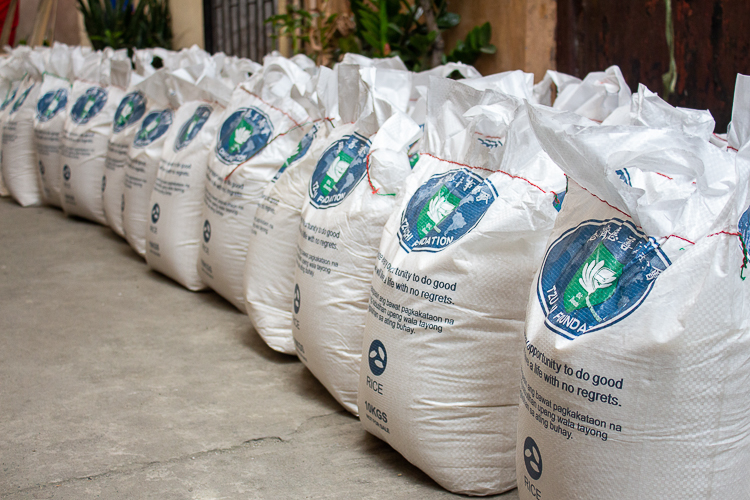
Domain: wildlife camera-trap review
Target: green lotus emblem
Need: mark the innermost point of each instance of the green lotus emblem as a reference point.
(335, 172)
(594, 282)
(240, 135)
(437, 208)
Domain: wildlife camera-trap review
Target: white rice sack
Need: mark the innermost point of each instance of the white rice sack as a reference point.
(394, 62)
(4, 109)
(738, 131)
(19, 161)
(445, 310)
(144, 60)
(49, 121)
(650, 110)
(144, 154)
(305, 63)
(635, 380)
(175, 226)
(260, 129)
(85, 138)
(421, 81)
(349, 199)
(515, 83)
(603, 96)
(269, 275)
(235, 70)
(11, 75)
(542, 92)
(128, 115)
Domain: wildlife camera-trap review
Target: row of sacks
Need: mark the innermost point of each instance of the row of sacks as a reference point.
(507, 292)
(58, 108)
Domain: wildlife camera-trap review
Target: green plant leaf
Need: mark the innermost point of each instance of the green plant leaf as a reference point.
(448, 20)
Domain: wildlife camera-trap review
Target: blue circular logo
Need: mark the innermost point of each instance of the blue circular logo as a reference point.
(206, 231)
(50, 104)
(190, 128)
(88, 105)
(297, 299)
(104, 183)
(443, 209)
(242, 135)
(153, 126)
(340, 169)
(66, 172)
(378, 357)
(21, 99)
(132, 107)
(302, 148)
(744, 227)
(9, 99)
(596, 274)
(532, 458)
(155, 213)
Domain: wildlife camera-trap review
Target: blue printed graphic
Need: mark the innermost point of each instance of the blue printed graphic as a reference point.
(153, 126)
(21, 99)
(88, 105)
(443, 209)
(66, 172)
(206, 231)
(190, 128)
(104, 183)
(558, 200)
(596, 274)
(744, 226)
(132, 107)
(9, 98)
(490, 142)
(339, 170)
(242, 135)
(532, 458)
(378, 358)
(624, 175)
(155, 213)
(50, 104)
(302, 148)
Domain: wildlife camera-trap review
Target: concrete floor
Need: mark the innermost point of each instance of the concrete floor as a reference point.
(117, 383)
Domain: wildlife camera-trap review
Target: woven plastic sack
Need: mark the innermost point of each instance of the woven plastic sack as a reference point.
(602, 95)
(144, 154)
(446, 306)
(86, 136)
(349, 199)
(260, 129)
(635, 381)
(19, 162)
(10, 90)
(234, 70)
(49, 121)
(269, 275)
(128, 115)
(164, 92)
(738, 131)
(175, 225)
(649, 110)
(144, 60)
(11, 75)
